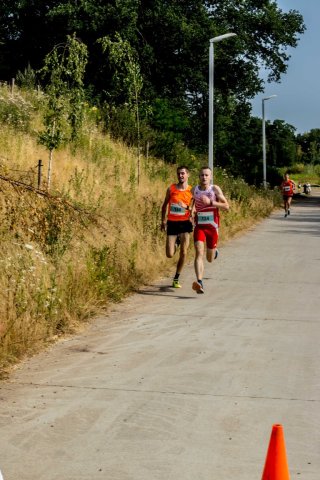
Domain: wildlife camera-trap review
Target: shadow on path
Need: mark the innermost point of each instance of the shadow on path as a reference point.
(163, 291)
(306, 200)
(304, 216)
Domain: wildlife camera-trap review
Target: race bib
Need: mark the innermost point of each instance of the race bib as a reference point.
(206, 218)
(176, 209)
(287, 189)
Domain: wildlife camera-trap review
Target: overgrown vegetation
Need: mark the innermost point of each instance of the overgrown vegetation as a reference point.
(305, 173)
(147, 71)
(95, 237)
(95, 79)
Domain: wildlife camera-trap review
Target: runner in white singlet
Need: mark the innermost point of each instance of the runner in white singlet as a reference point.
(207, 200)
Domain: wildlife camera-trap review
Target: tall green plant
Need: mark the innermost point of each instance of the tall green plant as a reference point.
(63, 72)
(127, 75)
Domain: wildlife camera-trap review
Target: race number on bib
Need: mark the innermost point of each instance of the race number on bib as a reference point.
(206, 218)
(287, 189)
(176, 209)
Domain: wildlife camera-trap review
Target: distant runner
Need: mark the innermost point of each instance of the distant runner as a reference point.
(178, 224)
(207, 200)
(287, 187)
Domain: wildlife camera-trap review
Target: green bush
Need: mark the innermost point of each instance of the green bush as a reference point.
(296, 168)
(26, 79)
(15, 111)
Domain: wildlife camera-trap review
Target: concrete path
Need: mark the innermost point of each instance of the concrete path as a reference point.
(178, 386)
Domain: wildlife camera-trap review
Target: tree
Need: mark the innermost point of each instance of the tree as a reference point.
(309, 144)
(171, 38)
(126, 77)
(27, 34)
(171, 41)
(281, 144)
(64, 71)
(240, 149)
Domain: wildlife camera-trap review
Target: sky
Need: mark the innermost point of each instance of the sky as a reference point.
(298, 93)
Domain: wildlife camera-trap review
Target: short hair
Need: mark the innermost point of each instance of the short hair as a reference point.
(183, 167)
(205, 168)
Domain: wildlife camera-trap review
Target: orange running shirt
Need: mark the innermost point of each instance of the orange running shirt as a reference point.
(176, 213)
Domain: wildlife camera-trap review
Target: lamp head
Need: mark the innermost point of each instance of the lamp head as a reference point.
(268, 98)
(222, 37)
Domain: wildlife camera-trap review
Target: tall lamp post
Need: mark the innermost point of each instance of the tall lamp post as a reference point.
(211, 91)
(264, 155)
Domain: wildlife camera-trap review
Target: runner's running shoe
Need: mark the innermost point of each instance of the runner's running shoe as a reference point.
(176, 284)
(198, 287)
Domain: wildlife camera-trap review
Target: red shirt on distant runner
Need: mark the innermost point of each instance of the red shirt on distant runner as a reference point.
(287, 187)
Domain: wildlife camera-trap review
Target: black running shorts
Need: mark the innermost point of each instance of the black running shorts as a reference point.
(175, 228)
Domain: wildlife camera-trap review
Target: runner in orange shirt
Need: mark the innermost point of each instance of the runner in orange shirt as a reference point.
(287, 187)
(176, 207)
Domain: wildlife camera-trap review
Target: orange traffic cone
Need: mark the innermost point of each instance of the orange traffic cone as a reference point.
(276, 466)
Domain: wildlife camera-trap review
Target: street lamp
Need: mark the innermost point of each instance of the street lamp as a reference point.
(264, 155)
(211, 91)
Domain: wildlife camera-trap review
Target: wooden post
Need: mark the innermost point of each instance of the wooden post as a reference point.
(40, 165)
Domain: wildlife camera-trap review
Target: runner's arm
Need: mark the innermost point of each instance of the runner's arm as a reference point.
(164, 209)
(221, 202)
(192, 207)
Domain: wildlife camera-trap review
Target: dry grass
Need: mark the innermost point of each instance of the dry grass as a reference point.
(66, 255)
(92, 240)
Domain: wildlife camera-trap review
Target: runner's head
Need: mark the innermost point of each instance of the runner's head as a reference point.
(182, 174)
(205, 176)
(286, 176)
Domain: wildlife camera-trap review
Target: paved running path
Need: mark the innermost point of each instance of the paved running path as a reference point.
(178, 386)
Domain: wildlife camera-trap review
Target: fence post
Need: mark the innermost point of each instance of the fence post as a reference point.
(40, 165)
(12, 85)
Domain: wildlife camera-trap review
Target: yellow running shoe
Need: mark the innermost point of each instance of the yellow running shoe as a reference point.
(176, 284)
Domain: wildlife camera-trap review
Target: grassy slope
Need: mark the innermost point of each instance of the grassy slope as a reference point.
(94, 238)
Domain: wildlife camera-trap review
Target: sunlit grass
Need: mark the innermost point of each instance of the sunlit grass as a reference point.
(93, 239)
